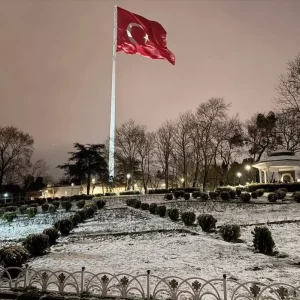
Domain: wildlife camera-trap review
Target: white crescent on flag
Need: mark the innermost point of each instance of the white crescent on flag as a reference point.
(129, 34)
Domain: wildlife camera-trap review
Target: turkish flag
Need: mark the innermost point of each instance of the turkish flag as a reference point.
(139, 35)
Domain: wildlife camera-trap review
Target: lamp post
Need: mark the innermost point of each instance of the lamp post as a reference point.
(128, 177)
(72, 185)
(248, 168)
(5, 197)
(239, 175)
(93, 182)
(182, 181)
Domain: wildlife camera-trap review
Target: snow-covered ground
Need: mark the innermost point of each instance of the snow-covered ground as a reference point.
(180, 254)
(22, 226)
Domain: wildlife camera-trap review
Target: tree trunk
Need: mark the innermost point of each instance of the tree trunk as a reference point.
(88, 184)
(167, 175)
(196, 174)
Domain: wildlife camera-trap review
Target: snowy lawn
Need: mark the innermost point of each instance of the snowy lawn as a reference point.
(22, 226)
(180, 254)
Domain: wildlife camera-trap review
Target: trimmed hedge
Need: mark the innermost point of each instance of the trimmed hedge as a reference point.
(263, 241)
(152, 208)
(173, 214)
(161, 210)
(188, 218)
(230, 232)
(145, 206)
(36, 244)
(13, 256)
(80, 204)
(272, 187)
(52, 234)
(207, 222)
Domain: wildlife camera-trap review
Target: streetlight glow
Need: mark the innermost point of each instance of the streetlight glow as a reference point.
(239, 174)
(5, 195)
(128, 176)
(182, 179)
(248, 167)
(72, 184)
(93, 181)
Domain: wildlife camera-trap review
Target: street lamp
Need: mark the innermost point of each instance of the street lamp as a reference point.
(72, 185)
(128, 177)
(182, 181)
(248, 168)
(93, 182)
(239, 175)
(5, 197)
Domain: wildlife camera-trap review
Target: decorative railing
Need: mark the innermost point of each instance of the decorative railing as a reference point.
(143, 286)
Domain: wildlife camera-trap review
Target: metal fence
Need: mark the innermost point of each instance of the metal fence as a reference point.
(144, 286)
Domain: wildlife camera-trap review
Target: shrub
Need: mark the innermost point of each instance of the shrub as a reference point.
(245, 197)
(230, 232)
(67, 205)
(100, 203)
(296, 197)
(9, 216)
(23, 209)
(36, 244)
(238, 192)
(52, 234)
(281, 193)
(262, 240)
(152, 208)
(64, 226)
(204, 196)
(213, 195)
(80, 204)
(75, 219)
(196, 194)
(52, 208)
(169, 196)
(35, 205)
(254, 195)
(137, 204)
(82, 215)
(145, 206)
(11, 208)
(173, 214)
(31, 212)
(260, 192)
(272, 197)
(225, 196)
(161, 210)
(188, 218)
(232, 195)
(207, 222)
(177, 194)
(130, 202)
(13, 256)
(186, 196)
(45, 207)
(89, 212)
(56, 204)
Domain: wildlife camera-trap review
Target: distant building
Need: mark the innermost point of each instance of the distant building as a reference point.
(68, 191)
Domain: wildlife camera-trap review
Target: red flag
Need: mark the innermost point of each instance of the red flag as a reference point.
(139, 35)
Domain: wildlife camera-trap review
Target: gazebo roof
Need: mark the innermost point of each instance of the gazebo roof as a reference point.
(279, 158)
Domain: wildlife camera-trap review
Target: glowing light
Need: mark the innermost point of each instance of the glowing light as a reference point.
(128, 176)
(239, 174)
(248, 167)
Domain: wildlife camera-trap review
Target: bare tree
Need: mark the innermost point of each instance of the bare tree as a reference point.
(37, 169)
(16, 148)
(182, 144)
(288, 87)
(164, 148)
(210, 119)
(146, 156)
(127, 146)
(288, 127)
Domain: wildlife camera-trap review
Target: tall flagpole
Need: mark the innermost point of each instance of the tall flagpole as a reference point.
(111, 163)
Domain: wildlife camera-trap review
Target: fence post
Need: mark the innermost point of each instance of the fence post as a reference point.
(148, 285)
(26, 276)
(82, 280)
(225, 286)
